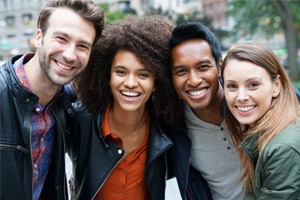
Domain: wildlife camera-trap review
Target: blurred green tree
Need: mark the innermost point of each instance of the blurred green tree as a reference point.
(193, 16)
(270, 16)
(115, 15)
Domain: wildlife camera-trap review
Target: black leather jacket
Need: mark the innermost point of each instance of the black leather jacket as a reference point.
(191, 184)
(94, 158)
(16, 106)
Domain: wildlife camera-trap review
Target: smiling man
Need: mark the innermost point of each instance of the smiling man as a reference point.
(34, 103)
(205, 160)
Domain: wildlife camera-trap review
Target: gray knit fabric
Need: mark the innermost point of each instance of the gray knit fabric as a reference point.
(214, 155)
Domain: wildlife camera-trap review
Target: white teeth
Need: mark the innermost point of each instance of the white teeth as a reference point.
(196, 92)
(245, 108)
(63, 66)
(131, 94)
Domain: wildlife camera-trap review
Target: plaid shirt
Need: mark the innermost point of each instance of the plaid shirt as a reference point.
(42, 133)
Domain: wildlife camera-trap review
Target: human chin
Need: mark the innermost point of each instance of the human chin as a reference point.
(245, 120)
(57, 78)
(197, 102)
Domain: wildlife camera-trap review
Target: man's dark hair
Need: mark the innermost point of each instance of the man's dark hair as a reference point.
(195, 30)
(84, 8)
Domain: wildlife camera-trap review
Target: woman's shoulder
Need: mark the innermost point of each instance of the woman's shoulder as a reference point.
(288, 137)
(82, 112)
(291, 132)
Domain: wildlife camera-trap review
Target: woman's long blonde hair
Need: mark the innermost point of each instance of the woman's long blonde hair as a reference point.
(283, 110)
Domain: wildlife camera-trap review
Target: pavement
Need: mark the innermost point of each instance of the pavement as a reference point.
(172, 192)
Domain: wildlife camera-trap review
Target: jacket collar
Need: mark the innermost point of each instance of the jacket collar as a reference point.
(158, 140)
(14, 84)
(249, 145)
(23, 95)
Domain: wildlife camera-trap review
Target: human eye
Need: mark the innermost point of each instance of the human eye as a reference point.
(180, 72)
(254, 85)
(144, 74)
(120, 72)
(84, 47)
(230, 86)
(204, 66)
(61, 39)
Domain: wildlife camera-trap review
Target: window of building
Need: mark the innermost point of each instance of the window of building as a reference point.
(10, 20)
(27, 19)
(11, 36)
(28, 34)
(3, 5)
(211, 7)
(146, 4)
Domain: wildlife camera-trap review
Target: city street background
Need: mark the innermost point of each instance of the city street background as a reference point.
(274, 23)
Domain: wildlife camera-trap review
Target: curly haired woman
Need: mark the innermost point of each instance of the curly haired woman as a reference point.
(116, 142)
(264, 116)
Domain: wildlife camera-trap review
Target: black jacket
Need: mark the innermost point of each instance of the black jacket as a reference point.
(16, 106)
(192, 185)
(94, 158)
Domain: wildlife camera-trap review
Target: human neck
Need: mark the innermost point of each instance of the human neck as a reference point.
(38, 82)
(127, 123)
(131, 128)
(212, 113)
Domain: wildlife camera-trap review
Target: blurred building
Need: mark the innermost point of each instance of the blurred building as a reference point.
(141, 6)
(17, 25)
(216, 11)
(18, 20)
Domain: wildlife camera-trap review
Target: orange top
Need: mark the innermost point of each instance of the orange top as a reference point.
(127, 181)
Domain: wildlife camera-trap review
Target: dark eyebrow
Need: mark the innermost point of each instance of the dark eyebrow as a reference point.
(247, 80)
(67, 36)
(178, 66)
(201, 62)
(230, 81)
(144, 69)
(125, 68)
(206, 61)
(119, 66)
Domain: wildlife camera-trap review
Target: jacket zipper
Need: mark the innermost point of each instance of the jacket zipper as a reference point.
(32, 166)
(98, 128)
(18, 147)
(64, 147)
(108, 175)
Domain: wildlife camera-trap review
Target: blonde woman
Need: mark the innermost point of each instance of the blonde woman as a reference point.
(262, 115)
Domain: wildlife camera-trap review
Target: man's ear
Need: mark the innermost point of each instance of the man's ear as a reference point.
(38, 38)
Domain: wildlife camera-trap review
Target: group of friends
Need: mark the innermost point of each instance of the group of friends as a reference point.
(137, 102)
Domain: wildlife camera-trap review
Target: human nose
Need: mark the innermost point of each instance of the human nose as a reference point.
(194, 79)
(242, 95)
(130, 81)
(69, 53)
